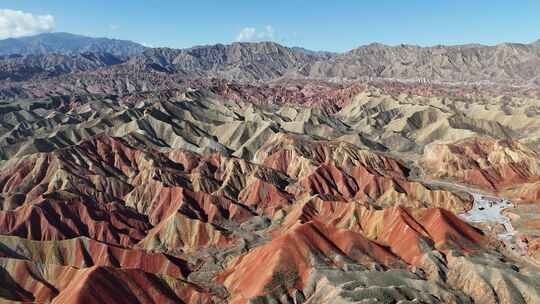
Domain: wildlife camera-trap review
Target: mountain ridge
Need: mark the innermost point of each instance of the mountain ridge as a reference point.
(67, 44)
(256, 62)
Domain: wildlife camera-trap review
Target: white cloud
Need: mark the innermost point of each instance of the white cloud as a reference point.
(114, 27)
(246, 34)
(18, 23)
(252, 34)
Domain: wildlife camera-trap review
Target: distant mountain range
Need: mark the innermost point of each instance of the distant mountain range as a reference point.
(248, 62)
(67, 44)
(51, 55)
(21, 68)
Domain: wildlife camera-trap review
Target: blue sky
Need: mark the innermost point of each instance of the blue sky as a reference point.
(319, 25)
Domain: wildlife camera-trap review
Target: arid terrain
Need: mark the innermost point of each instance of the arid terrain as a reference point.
(258, 173)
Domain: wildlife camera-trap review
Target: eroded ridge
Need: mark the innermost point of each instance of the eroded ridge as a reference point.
(197, 198)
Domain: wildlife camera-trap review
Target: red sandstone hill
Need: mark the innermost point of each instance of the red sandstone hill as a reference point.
(487, 163)
(194, 198)
(396, 239)
(134, 203)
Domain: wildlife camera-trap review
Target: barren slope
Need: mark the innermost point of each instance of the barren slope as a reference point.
(181, 196)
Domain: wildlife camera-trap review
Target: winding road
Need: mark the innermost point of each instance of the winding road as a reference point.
(488, 210)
